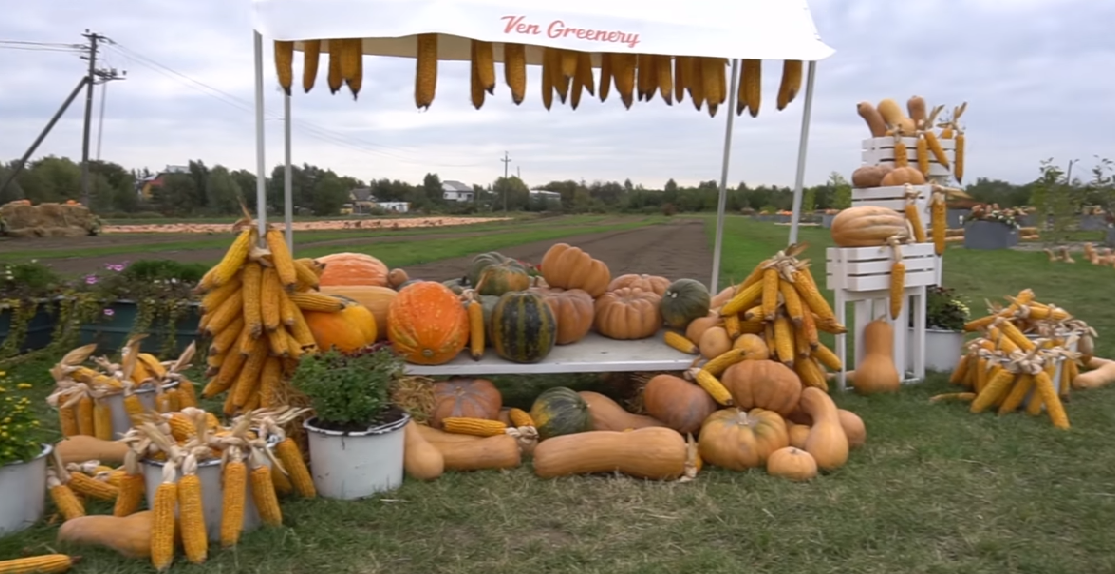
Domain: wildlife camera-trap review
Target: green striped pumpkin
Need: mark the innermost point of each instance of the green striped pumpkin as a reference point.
(501, 278)
(523, 328)
(560, 411)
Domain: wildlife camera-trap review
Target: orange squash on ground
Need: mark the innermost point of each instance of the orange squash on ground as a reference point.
(352, 269)
(654, 453)
(421, 459)
(489, 453)
(679, 404)
(568, 267)
(827, 441)
(376, 299)
(654, 283)
(792, 463)
(628, 313)
(734, 439)
(129, 536)
(765, 384)
(877, 373)
(609, 415)
(465, 397)
(80, 448)
(853, 427)
(427, 324)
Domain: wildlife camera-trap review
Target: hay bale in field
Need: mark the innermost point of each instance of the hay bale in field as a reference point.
(49, 220)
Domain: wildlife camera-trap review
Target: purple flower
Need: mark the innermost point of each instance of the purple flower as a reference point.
(109, 312)
(115, 267)
(91, 279)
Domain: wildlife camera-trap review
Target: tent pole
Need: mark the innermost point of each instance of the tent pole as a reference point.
(803, 144)
(287, 184)
(723, 196)
(261, 163)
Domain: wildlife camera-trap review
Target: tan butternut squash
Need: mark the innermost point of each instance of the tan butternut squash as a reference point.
(475, 453)
(877, 372)
(853, 427)
(826, 442)
(1102, 373)
(80, 448)
(130, 536)
(798, 435)
(421, 459)
(654, 452)
(609, 415)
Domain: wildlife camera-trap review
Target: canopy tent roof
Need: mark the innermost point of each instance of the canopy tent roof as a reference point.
(758, 29)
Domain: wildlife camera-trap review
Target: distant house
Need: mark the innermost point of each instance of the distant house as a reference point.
(145, 185)
(452, 190)
(361, 200)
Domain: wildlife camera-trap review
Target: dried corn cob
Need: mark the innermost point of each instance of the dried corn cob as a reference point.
(791, 83)
(234, 480)
(317, 302)
(334, 77)
(664, 75)
(515, 70)
(923, 154)
(162, 532)
(679, 342)
(750, 87)
(130, 487)
(67, 502)
(998, 388)
(720, 363)
(311, 56)
(1049, 398)
(291, 458)
(964, 397)
(352, 64)
(783, 340)
(520, 418)
(195, 540)
(85, 420)
(473, 426)
(935, 147)
(712, 385)
(102, 420)
(425, 79)
(284, 60)
(263, 491)
(46, 564)
(476, 329)
(1022, 387)
(958, 166)
(232, 261)
(900, 158)
(623, 70)
(770, 293)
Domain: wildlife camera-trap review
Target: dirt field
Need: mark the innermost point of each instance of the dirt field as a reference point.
(326, 225)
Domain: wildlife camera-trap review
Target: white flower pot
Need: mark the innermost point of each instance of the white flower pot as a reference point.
(351, 465)
(942, 349)
(22, 485)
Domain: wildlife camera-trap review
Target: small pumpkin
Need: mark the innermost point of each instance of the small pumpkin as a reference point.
(568, 267)
(754, 345)
(679, 404)
(698, 327)
(655, 283)
(765, 384)
(376, 299)
(877, 373)
(798, 435)
(426, 324)
(869, 176)
(465, 397)
(397, 277)
(483, 261)
(628, 313)
(714, 342)
(523, 329)
(866, 226)
(362, 317)
(735, 439)
(609, 415)
(560, 411)
(500, 278)
(853, 427)
(903, 176)
(352, 269)
(573, 310)
(684, 301)
(792, 463)
(343, 330)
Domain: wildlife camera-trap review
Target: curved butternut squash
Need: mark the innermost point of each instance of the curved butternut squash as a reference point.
(1102, 373)
(853, 427)
(490, 453)
(81, 448)
(654, 452)
(826, 442)
(609, 415)
(130, 536)
(421, 459)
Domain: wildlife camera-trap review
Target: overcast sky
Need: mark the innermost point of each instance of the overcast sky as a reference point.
(1037, 75)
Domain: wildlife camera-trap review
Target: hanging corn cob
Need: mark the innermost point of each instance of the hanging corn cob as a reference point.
(913, 214)
(425, 77)
(897, 279)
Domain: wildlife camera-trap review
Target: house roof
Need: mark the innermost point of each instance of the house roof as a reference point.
(454, 185)
(362, 194)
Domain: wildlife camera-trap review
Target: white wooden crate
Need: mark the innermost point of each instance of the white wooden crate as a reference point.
(864, 269)
(894, 197)
(871, 305)
(881, 150)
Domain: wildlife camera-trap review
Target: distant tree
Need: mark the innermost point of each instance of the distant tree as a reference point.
(330, 194)
(841, 191)
(432, 189)
(222, 193)
(176, 195)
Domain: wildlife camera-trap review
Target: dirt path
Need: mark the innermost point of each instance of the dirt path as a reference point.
(676, 250)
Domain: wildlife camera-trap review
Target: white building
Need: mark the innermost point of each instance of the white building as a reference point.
(452, 190)
(543, 195)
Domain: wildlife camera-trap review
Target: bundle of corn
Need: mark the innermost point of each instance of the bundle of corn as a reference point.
(568, 74)
(776, 312)
(951, 129)
(253, 314)
(82, 393)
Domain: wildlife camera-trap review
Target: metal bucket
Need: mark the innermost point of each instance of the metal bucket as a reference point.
(121, 422)
(21, 492)
(1057, 372)
(348, 466)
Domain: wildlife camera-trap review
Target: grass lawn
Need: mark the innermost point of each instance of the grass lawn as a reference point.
(935, 490)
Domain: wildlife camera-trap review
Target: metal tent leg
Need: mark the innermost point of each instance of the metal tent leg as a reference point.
(287, 184)
(803, 144)
(723, 196)
(261, 163)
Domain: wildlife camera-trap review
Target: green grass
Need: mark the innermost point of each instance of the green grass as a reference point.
(936, 489)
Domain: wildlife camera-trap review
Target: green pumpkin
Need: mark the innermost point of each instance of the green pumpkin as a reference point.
(560, 411)
(483, 261)
(408, 283)
(456, 285)
(503, 278)
(523, 328)
(683, 301)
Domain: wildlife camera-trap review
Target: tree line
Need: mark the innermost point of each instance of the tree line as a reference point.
(217, 190)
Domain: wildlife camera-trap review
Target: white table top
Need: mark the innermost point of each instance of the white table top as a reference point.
(593, 354)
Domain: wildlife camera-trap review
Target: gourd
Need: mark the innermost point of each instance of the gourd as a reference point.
(421, 459)
(628, 313)
(609, 415)
(735, 439)
(903, 176)
(714, 342)
(567, 267)
(397, 277)
(685, 301)
(827, 441)
(80, 448)
(465, 397)
(362, 318)
(653, 453)
(352, 269)
(129, 536)
(560, 411)
(375, 299)
(426, 324)
(340, 330)
(679, 404)
(798, 435)
(500, 278)
(764, 384)
(866, 226)
(853, 427)
(698, 327)
(573, 310)
(475, 453)
(485, 260)
(876, 373)
(655, 283)
(869, 176)
(1102, 373)
(522, 327)
(792, 463)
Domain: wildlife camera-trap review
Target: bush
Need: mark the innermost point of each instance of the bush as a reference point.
(669, 209)
(349, 391)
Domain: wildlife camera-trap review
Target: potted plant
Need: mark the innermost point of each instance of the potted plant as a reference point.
(27, 307)
(23, 456)
(945, 315)
(151, 297)
(356, 434)
(988, 227)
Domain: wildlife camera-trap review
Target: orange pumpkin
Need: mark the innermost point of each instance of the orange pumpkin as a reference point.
(352, 269)
(465, 397)
(655, 283)
(679, 404)
(738, 440)
(568, 267)
(347, 330)
(376, 299)
(763, 384)
(427, 324)
(628, 313)
(573, 310)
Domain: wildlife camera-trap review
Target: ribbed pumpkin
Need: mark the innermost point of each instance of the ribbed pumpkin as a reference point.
(465, 397)
(352, 269)
(500, 278)
(523, 328)
(427, 324)
(734, 439)
(683, 301)
(568, 267)
(560, 411)
(655, 283)
(483, 261)
(628, 313)
(573, 310)
(866, 226)
(376, 299)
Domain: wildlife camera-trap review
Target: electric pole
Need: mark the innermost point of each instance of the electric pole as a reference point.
(93, 38)
(506, 182)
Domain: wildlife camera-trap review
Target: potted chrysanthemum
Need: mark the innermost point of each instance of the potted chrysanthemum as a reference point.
(23, 455)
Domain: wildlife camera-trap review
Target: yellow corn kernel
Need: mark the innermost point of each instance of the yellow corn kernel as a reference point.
(213, 299)
(994, 391)
(46, 564)
(311, 57)
(181, 427)
(234, 479)
(280, 257)
(250, 375)
(809, 327)
(712, 386)
(937, 219)
(810, 295)
(269, 381)
(270, 299)
(284, 60)
(750, 87)
(102, 420)
(914, 216)
(225, 314)
(191, 518)
(520, 418)
(425, 77)
(515, 70)
(162, 532)
(317, 302)
(85, 419)
(133, 406)
(897, 289)
(743, 299)
(476, 329)
(732, 325)
(720, 363)
(277, 342)
(282, 483)
(170, 402)
(623, 72)
(792, 302)
(791, 83)
(69, 505)
(225, 377)
(291, 458)
(770, 293)
(131, 488)
(334, 77)
(923, 155)
(187, 395)
(263, 494)
(286, 310)
(67, 418)
(1044, 386)
(678, 341)
(935, 147)
(826, 357)
(233, 260)
(784, 340)
(473, 426)
(306, 278)
(252, 290)
(1022, 387)
(958, 166)
(86, 485)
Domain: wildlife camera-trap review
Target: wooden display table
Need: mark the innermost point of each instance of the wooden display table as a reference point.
(593, 354)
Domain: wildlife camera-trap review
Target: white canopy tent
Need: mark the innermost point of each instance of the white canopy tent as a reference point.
(760, 29)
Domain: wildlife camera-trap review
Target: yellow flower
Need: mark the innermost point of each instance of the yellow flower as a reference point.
(23, 386)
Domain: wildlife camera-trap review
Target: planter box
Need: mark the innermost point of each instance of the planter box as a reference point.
(989, 235)
(782, 218)
(353, 465)
(1092, 223)
(955, 217)
(943, 349)
(1027, 220)
(1110, 237)
(826, 220)
(40, 329)
(112, 332)
(21, 493)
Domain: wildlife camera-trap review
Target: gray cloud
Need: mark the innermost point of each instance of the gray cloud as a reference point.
(1031, 70)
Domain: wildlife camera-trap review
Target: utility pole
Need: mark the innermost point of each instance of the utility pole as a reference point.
(506, 170)
(93, 38)
(104, 76)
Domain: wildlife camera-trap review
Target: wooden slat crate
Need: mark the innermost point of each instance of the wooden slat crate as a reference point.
(868, 268)
(881, 150)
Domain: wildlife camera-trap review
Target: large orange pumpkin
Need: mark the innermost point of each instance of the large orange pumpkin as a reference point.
(352, 269)
(567, 267)
(427, 324)
(628, 313)
(734, 439)
(349, 330)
